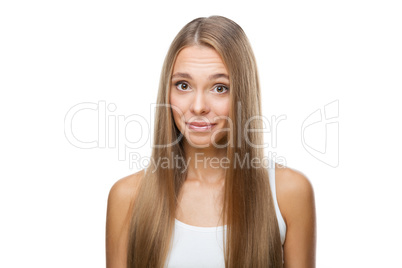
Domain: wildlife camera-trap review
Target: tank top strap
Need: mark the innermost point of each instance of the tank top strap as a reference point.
(281, 221)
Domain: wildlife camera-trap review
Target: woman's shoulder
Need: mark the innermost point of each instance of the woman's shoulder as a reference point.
(125, 189)
(288, 179)
(120, 200)
(294, 192)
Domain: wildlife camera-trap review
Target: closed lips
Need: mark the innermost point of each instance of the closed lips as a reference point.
(200, 124)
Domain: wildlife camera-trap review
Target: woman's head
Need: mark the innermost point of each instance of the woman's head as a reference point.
(204, 47)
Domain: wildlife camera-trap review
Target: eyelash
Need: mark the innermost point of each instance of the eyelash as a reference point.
(183, 82)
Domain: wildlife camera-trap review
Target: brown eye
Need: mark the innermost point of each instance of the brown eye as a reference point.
(221, 89)
(183, 85)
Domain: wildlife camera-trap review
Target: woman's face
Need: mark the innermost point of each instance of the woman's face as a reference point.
(199, 95)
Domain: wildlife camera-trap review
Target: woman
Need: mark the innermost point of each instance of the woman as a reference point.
(203, 201)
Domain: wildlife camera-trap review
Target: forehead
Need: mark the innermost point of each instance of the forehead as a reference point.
(199, 56)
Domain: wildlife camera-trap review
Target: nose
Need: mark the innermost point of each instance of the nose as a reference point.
(199, 105)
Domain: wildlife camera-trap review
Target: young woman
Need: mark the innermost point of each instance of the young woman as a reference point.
(208, 199)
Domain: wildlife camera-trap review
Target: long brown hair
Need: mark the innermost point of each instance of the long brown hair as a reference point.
(252, 238)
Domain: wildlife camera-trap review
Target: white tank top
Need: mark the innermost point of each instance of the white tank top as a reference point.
(194, 246)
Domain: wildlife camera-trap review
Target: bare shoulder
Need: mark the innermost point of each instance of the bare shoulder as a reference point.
(120, 200)
(295, 197)
(125, 188)
(294, 192)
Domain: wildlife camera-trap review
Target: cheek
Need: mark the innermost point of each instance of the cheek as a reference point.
(176, 115)
(177, 111)
(223, 108)
(174, 106)
(177, 103)
(177, 120)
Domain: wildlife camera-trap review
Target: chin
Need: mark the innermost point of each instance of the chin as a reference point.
(199, 142)
(206, 142)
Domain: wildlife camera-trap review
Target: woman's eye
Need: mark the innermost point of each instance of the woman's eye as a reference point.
(221, 89)
(183, 85)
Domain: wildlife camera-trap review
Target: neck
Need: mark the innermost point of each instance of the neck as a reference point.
(206, 165)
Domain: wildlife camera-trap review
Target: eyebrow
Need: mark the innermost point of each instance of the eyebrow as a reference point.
(212, 76)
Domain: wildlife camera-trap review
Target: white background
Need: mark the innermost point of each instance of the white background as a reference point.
(57, 54)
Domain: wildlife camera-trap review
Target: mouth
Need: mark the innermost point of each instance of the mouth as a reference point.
(199, 126)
